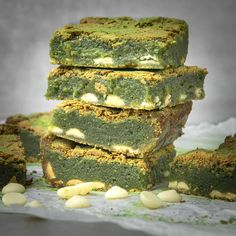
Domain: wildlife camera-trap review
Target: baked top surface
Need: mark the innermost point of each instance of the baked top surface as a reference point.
(37, 122)
(160, 29)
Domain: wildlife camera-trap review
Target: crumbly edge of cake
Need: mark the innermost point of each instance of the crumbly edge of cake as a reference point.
(115, 114)
(11, 154)
(119, 28)
(34, 122)
(152, 76)
(221, 157)
(71, 149)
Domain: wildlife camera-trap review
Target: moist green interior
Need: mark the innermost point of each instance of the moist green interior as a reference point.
(31, 143)
(111, 173)
(10, 170)
(131, 90)
(42, 121)
(129, 132)
(202, 180)
(83, 51)
(79, 45)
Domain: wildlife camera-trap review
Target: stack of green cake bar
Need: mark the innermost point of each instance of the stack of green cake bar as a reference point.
(127, 96)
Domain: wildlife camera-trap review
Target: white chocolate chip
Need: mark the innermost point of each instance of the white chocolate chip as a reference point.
(77, 202)
(183, 96)
(55, 130)
(173, 184)
(49, 170)
(113, 100)
(13, 188)
(123, 148)
(149, 59)
(157, 99)
(103, 60)
(78, 189)
(97, 185)
(198, 92)
(149, 62)
(169, 196)
(179, 185)
(34, 204)
(166, 173)
(11, 199)
(167, 100)
(219, 195)
(150, 200)
(73, 182)
(183, 186)
(116, 192)
(89, 97)
(147, 105)
(76, 133)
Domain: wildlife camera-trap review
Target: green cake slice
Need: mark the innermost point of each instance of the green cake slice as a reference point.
(31, 128)
(134, 89)
(65, 161)
(132, 132)
(12, 159)
(121, 42)
(207, 173)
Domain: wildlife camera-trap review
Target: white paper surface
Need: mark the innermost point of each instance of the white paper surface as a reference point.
(195, 216)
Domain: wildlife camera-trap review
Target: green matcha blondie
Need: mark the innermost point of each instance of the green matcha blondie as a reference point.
(132, 132)
(121, 42)
(207, 173)
(12, 159)
(31, 127)
(64, 161)
(136, 89)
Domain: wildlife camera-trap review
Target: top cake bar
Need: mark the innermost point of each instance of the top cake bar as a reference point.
(121, 42)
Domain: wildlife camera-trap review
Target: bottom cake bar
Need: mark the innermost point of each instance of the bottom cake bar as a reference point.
(12, 161)
(65, 161)
(207, 173)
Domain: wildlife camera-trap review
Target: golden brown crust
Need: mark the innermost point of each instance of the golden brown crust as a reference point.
(107, 74)
(222, 157)
(115, 114)
(72, 150)
(30, 122)
(11, 150)
(116, 29)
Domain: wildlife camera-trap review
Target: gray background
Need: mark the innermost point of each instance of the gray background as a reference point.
(26, 27)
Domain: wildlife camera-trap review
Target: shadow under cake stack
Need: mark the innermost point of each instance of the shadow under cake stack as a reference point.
(127, 96)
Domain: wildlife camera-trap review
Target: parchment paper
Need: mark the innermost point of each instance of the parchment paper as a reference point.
(195, 216)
